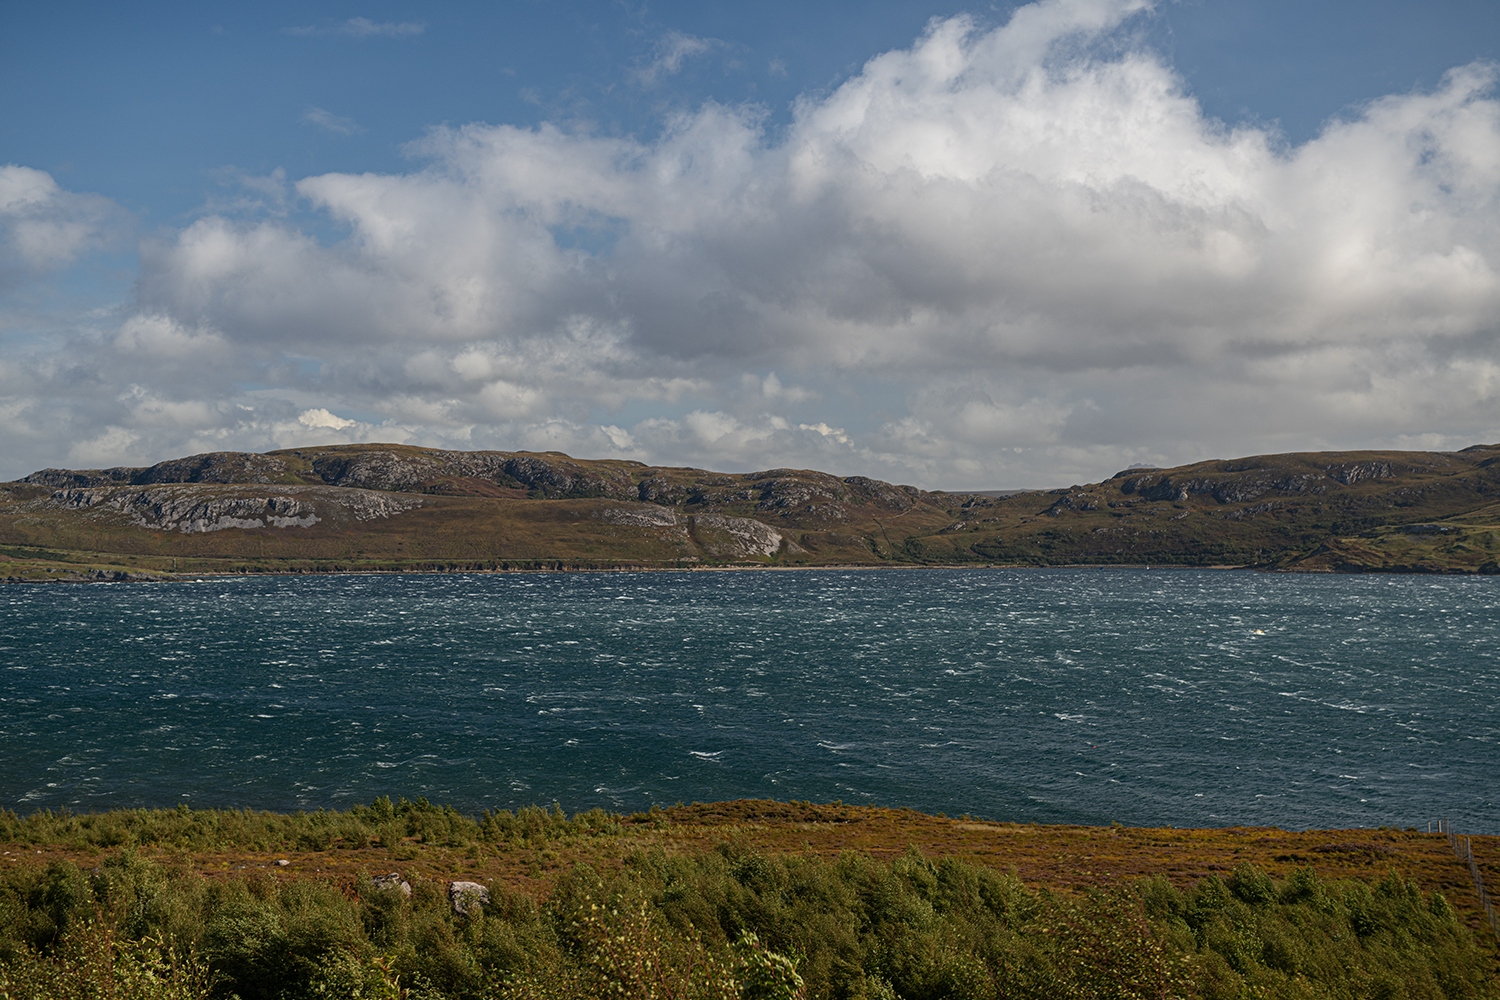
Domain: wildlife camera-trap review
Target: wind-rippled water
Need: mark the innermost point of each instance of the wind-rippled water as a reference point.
(1190, 698)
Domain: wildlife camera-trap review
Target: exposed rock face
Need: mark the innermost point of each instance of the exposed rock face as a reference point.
(468, 898)
(1232, 488)
(1354, 472)
(799, 496)
(555, 478)
(882, 494)
(719, 535)
(661, 523)
(1253, 509)
(642, 516)
(190, 508)
(1161, 489)
(64, 478)
(657, 489)
(1243, 480)
(376, 470)
(547, 476)
(781, 496)
(213, 467)
(1072, 500)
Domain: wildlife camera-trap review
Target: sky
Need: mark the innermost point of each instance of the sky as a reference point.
(953, 245)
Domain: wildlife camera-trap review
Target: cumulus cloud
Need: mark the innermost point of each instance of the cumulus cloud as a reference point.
(1017, 255)
(320, 417)
(44, 227)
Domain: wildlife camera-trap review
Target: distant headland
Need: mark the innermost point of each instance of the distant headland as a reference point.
(395, 508)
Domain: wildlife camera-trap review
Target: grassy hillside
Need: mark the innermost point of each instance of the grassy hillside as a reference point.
(749, 899)
(398, 508)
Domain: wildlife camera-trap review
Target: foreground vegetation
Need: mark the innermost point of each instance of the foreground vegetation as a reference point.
(667, 904)
(393, 508)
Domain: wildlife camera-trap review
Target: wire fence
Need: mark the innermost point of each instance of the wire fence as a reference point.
(1463, 849)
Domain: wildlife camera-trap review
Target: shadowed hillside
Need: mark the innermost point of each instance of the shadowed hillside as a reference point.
(392, 508)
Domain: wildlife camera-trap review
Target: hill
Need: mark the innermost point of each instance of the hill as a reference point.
(352, 508)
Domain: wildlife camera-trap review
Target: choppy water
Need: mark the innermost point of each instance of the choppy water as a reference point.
(1146, 697)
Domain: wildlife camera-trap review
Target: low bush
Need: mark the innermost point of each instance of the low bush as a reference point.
(383, 821)
(729, 922)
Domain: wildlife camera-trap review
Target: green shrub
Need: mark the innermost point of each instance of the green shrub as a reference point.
(731, 921)
(1251, 885)
(93, 961)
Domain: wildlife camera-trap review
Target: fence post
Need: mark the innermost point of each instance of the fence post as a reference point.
(1463, 849)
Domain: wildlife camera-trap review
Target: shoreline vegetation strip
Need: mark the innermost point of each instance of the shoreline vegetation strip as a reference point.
(94, 574)
(750, 899)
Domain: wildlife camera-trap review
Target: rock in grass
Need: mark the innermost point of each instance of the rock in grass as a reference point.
(468, 898)
(392, 881)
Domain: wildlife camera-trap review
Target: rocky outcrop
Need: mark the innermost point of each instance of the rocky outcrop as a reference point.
(376, 470)
(545, 476)
(560, 478)
(717, 535)
(192, 508)
(873, 491)
(782, 496)
(215, 467)
(734, 537)
(797, 496)
(212, 467)
(1072, 500)
(1253, 509)
(75, 478)
(660, 490)
(641, 516)
(1155, 488)
(1355, 471)
(1240, 488)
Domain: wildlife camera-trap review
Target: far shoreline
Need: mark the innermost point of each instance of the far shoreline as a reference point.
(129, 576)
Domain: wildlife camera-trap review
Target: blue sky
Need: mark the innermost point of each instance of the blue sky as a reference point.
(959, 246)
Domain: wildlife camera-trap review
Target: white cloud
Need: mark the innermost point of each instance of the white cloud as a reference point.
(161, 337)
(1008, 256)
(321, 417)
(337, 124)
(361, 27)
(43, 227)
(104, 449)
(670, 53)
(269, 194)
